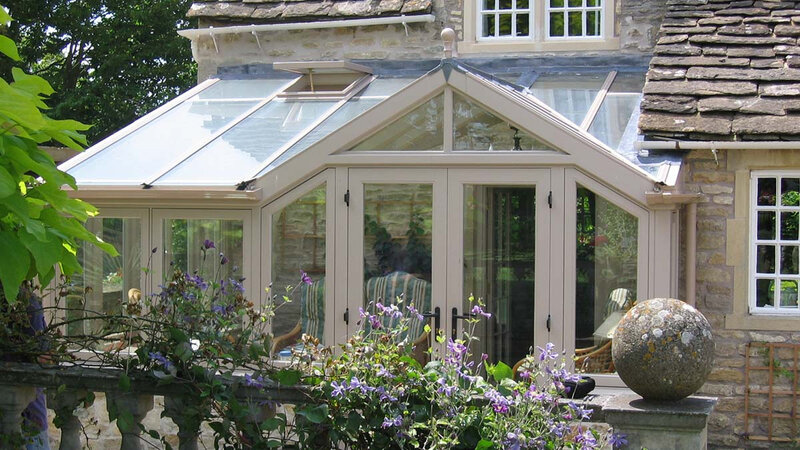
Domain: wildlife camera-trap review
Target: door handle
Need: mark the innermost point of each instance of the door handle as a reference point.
(437, 320)
(455, 316)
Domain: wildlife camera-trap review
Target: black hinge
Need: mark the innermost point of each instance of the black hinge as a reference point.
(548, 323)
(347, 197)
(347, 316)
(550, 199)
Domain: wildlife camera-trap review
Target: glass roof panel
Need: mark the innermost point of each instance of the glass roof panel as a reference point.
(475, 128)
(571, 94)
(420, 129)
(385, 87)
(148, 151)
(617, 109)
(233, 156)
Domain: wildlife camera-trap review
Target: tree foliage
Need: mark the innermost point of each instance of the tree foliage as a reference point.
(40, 225)
(110, 61)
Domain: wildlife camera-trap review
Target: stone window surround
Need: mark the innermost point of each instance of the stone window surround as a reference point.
(742, 163)
(473, 43)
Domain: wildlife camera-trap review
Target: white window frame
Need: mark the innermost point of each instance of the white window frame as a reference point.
(753, 275)
(565, 10)
(497, 12)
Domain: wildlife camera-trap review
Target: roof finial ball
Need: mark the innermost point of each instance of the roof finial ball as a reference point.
(449, 41)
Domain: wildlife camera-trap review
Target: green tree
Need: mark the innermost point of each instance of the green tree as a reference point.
(40, 225)
(109, 61)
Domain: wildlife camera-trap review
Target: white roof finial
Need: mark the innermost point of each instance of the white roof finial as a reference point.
(449, 40)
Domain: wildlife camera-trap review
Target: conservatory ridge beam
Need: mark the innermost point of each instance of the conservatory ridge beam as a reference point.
(139, 123)
(168, 193)
(188, 154)
(598, 101)
(253, 29)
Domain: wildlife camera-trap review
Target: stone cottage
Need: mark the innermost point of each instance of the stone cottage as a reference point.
(561, 159)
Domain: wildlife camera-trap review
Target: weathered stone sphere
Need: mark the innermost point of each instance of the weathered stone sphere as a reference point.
(663, 349)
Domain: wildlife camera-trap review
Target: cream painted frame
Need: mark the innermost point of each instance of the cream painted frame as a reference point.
(545, 299)
(644, 238)
(248, 244)
(357, 178)
(332, 309)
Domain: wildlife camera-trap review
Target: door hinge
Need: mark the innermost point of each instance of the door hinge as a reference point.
(548, 323)
(346, 316)
(550, 199)
(347, 197)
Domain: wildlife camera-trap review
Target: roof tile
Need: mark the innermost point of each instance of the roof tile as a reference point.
(700, 88)
(270, 11)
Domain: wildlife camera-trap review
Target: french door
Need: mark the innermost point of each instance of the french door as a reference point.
(439, 237)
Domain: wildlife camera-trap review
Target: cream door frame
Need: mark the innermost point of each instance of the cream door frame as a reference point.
(573, 177)
(326, 178)
(355, 231)
(544, 299)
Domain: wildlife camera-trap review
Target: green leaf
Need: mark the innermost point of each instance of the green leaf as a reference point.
(4, 17)
(125, 382)
(177, 335)
(45, 253)
(7, 183)
(14, 264)
(483, 444)
(184, 351)
(125, 422)
(499, 371)
(288, 377)
(9, 48)
(316, 414)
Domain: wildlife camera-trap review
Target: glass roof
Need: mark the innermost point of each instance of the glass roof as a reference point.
(238, 129)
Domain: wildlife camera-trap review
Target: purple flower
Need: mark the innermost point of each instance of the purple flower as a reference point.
(223, 259)
(444, 388)
(477, 310)
(339, 389)
(305, 278)
(355, 383)
(160, 359)
(547, 352)
(618, 440)
(416, 313)
(583, 414)
(208, 243)
(254, 382)
(392, 422)
(383, 372)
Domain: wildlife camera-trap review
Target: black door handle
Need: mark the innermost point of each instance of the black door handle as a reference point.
(437, 320)
(455, 316)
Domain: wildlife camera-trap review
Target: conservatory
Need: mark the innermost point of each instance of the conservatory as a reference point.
(429, 181)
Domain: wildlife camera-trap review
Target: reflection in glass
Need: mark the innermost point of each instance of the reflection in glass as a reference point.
(106, 280)
(617, 108)
(475, 128)
(183, 240)
(499, 269)
(790, 191)
(148, 151)
(420, 129)
(765, 259)
(298, 246)
(570, 94)
(789, 293)
(789, 257)
(765, 292)
(766, 225)
(766, 191)
(606, 274)
(789, 225)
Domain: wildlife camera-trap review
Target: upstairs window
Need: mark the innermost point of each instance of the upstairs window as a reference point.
(505, 18)
(574, 18)
(775, 242)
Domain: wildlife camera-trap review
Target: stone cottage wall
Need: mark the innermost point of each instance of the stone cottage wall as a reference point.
(722, 280)
(637, 24)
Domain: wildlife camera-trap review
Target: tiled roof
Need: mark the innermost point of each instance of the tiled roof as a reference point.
(725, 69)
(273, 11)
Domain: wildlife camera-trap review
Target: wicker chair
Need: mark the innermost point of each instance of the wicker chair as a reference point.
(312, 316)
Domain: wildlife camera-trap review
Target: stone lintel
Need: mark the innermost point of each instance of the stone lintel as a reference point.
(663, 425)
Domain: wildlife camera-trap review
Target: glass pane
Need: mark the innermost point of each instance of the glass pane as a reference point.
(421, 129)
(556, 3)
(148, 151)
(505, 24)
(766, 225)
(398, 227)
(556, 24)
(612, 118)
(499, 269)
(575, 3)
(593, 3)
(765, 292)
(488, 4)
(505, 4)
(766, 191)
(298, 246)
(183, 242)
(575, 25)
(789, 257)
(790, 191)
(523, 25)
(522, 4)
(475, 128)
(569, 93)
(788, 293)
(232, 157)
(592, 23)
(789, 222)
(606, 262)
(103, 285)
(488, 25)
(765, 259)
(385, 87)
(352, 109)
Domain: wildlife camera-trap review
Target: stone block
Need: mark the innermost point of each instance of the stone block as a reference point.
(747, 29)
(672, 39)
(715, 51)
(731, 20)
(741, 40)
(787, 30)
(747, 52)
(708, 273)
(713, 177)
(688, 30)
(723, 199)
(726, 375)
(666, 73)
(669, 103)
(701, 87)
(678, 49)
(785, 125)
(766, 63)
(693, 61)
(652, 121)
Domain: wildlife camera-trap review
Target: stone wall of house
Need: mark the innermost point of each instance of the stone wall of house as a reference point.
(637, 24)
(722, 285)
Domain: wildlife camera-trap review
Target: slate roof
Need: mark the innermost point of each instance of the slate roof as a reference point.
(274, 11)
(727, 70)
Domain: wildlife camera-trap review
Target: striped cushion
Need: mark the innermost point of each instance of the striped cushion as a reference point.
(411, 290)
(312, 308)
(620, 299)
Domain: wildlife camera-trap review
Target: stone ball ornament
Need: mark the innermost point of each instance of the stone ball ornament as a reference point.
(663, 349)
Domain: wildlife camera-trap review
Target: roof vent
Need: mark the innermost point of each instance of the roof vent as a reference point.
(323, 79)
